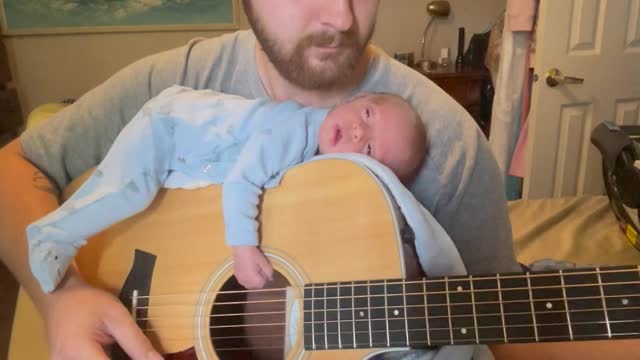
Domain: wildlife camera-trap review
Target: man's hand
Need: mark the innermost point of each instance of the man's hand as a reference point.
(251, 267)
(82, 320)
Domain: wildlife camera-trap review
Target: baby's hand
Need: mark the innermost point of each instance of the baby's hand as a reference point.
(251, 267)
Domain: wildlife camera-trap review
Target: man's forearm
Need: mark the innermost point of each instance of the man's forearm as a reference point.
(592, 350)
(26, 194)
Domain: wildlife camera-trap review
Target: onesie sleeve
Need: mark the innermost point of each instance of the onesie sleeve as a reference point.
(266, 156)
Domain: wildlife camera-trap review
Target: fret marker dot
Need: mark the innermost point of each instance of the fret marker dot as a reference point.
(361, 313)
(625, 301)
(549, 305)
(396, 312)
(459, 288)
(463, 331)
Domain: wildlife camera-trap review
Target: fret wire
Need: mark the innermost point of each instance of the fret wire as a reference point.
(369, 313)
(492, 277)
(404, 306)
(511, 313)
(504, 329)
(326, 343)
(491, 340)
(386, 311)
(353, 313)
(446, 283)
(604, 303)
(507, 301)
(510, 326)
(473, 307)
(339, 331)
(533, 310)
(462, 327)
(464, 291)
(426, 310)
(313, 320)
(566, 305)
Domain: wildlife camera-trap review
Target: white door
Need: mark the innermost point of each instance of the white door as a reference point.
(598, 41)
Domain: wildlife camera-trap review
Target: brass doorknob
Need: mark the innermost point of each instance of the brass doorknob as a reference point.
(554, 78)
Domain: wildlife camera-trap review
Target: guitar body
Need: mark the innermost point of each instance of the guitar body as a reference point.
(329, 221)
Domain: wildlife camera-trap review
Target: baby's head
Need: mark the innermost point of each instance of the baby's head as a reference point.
(383, 126)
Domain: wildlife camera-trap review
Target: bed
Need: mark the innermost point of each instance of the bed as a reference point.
(581, 230)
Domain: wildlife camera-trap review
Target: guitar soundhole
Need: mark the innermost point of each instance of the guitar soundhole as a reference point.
(248, 324)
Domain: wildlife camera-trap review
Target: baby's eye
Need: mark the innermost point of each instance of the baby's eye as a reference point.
(367, 113)
(368, 150)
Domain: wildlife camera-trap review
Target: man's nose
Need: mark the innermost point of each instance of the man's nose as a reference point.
(338, 14)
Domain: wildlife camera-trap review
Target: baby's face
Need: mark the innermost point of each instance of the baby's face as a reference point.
(376, 125)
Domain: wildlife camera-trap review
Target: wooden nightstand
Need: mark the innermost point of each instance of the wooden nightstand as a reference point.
(471, 87)
(10, 114)
(10, 117)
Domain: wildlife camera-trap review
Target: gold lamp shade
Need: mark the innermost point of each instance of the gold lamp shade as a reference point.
(439, 8)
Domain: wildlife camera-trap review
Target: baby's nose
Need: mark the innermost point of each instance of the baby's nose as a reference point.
(357, 132)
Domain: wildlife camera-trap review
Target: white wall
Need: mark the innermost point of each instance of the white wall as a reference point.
(401, 22)
(50, 68)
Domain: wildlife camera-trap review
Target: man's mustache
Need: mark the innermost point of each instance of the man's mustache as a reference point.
(336, 39)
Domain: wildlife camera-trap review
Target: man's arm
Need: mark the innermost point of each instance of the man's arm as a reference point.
(26, 194)
(80, 320)
(592, 350)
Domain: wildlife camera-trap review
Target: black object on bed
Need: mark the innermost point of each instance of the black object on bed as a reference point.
(620, 149)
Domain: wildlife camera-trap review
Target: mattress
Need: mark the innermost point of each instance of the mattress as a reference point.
(581, 230)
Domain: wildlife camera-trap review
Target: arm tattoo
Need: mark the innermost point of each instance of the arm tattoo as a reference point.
(42, 183)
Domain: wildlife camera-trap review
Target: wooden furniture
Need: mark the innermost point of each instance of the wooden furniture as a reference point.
(10, 117)
(471, 87)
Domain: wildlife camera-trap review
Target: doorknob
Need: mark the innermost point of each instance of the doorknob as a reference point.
(554, 78)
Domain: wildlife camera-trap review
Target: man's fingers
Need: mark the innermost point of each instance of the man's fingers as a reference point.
(130, 337)
(89, 350)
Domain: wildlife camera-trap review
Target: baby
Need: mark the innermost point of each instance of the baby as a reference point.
(185, 138)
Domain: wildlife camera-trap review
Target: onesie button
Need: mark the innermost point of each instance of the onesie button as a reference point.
(206, 168)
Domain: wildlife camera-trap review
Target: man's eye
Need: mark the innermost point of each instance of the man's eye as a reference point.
(368, 151)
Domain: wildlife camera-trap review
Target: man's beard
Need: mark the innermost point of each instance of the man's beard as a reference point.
(334, 70)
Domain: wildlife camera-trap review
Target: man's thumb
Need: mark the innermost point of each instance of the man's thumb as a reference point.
(130, 338)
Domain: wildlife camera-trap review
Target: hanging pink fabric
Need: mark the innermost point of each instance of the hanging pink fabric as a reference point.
(521, 16)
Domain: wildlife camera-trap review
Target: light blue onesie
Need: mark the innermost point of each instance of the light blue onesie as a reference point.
(182, 138)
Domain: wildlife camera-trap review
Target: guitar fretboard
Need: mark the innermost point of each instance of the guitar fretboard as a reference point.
(577, 304)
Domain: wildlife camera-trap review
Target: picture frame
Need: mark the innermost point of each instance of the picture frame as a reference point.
(31, 17)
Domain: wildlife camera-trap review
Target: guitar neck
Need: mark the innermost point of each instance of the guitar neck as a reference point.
(570, 305)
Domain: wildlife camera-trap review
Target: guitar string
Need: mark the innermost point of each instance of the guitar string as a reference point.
(431, 317)
(427, 282)
(383, 344)
(457, 292)
(548, 311)
(421, 330)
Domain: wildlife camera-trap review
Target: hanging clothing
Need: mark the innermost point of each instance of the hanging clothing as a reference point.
(508, 118)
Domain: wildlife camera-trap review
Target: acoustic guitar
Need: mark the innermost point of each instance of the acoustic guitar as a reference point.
(342, 289)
